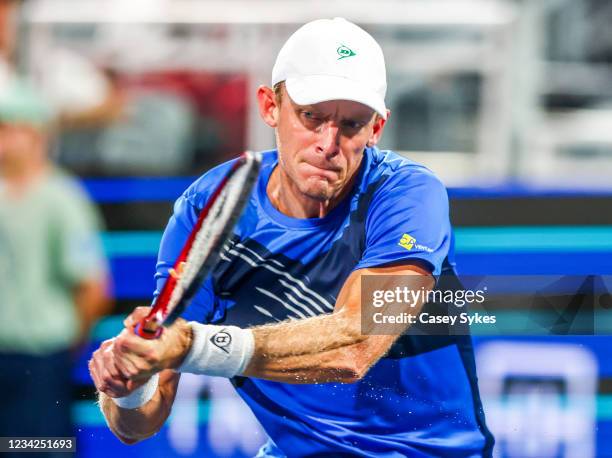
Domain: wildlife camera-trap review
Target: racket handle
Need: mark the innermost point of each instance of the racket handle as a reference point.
(148, 329)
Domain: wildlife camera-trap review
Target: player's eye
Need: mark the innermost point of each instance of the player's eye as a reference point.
(352, 124)
(309, 115)
(311, 119)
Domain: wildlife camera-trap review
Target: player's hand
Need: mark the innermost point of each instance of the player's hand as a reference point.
(105, 374)
(138, 358)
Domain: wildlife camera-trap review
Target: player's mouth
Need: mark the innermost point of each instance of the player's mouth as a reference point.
(329, 173)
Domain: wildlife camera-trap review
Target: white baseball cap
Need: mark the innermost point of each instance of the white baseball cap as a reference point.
(332, 59)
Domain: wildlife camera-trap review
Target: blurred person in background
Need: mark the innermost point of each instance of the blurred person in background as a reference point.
(53, 275)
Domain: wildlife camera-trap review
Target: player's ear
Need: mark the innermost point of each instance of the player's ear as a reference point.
(377, 130)
(268, 106)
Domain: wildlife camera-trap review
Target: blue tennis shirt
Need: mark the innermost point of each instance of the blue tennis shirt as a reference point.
(421, 399)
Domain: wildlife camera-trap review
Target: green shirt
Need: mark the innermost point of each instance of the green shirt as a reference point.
(49, 242)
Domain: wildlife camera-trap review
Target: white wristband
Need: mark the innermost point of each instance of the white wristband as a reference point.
(224, 351)
(140, 396)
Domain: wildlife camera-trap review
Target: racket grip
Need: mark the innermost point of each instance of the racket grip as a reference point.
(148, 329)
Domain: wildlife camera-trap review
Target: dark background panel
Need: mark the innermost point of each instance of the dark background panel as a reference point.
(532, 211)
(136, 216)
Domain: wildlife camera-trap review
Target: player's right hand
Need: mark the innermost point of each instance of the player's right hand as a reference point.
(137, 358)
(105, 374)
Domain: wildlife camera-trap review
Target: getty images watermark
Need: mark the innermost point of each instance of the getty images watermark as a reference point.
(486, 305)
(390, 304)
(411, 299)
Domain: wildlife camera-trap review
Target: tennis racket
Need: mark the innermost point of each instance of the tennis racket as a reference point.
(202, 250)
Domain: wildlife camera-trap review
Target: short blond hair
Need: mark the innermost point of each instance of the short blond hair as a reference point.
(278, 91)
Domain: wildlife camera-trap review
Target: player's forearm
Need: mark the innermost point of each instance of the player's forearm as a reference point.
(329, 348)
(345, 365)
(134, 425)
(309, 336)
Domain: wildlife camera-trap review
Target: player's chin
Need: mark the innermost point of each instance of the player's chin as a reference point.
(318, 188)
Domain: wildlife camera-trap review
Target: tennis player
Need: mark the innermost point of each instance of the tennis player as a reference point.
(281, 314)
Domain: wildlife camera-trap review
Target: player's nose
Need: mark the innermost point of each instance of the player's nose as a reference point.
(328, 141)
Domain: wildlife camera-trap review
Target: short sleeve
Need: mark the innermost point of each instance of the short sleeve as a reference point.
(80, 255)
(407, 220)
(175, 235)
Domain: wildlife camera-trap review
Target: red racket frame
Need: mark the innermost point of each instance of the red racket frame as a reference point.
(150, 327)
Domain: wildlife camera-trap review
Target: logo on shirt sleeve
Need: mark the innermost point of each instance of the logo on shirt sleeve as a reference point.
(409, 242)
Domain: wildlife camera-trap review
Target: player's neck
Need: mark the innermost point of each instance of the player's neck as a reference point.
(287, 198)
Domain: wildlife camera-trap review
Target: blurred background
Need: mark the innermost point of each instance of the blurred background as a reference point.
(509, 102)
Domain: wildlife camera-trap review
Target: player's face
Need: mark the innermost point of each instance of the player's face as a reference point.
(321, 146)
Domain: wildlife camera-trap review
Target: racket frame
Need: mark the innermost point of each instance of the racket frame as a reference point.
(151, 326)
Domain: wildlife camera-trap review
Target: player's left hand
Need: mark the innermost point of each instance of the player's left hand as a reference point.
(138, 358)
